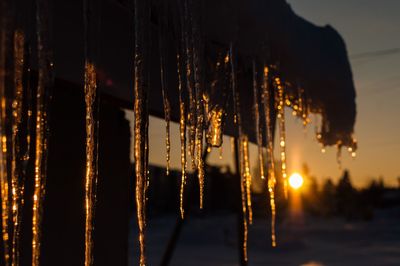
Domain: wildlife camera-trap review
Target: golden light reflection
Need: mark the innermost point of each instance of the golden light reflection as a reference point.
(296, 180)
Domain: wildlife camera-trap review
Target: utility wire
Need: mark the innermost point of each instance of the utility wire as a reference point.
(377, 53)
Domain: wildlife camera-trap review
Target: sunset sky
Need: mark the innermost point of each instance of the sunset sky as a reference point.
(366, 26)
(371, 30)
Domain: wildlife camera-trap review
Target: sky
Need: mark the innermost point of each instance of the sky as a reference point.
(366, 26)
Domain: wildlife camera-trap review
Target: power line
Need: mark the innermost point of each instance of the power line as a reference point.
(377, 53)
(377, 91)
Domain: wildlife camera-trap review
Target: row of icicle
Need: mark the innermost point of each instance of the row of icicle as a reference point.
(201, 120)
(12, 181)
(15, 126)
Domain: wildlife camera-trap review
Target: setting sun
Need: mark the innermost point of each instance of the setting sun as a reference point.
(296, 180)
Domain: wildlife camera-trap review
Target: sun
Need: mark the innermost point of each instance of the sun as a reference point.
(296, 180)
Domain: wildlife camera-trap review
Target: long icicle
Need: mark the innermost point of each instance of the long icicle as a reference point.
(188, 47)
(43, 97)
(17, 183)
(199, 106)
(5, 200)
(257, 122)
(91, 16)
(282, 132)
(270, 152)
(141, 14)
(243, 198)
(164, 89)
(90, 89)
(247, 176)
(237, 122)
(182, 134)
(181, 65)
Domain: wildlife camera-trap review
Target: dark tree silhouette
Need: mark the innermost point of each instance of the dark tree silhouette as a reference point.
(346, 196)
(328, 198)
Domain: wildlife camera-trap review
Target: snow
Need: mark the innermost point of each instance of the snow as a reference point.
(212, 240)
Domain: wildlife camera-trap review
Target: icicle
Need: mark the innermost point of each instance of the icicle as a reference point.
(141, 15)
(43, 97)
(246, 175)
(271, 189)
(232, 142)
(270, 152)
(215, 83)
(195, 43)
(182, 63)
(164, 89)
(182, 133)
(188, 46)
(339, 155)
(199, 128)
(216, 115)
(237, 123)
(214, 134)
(206, 103)
(5, 200)
(245, 226)
(91, 21)
(317, 126)
(282, 133)
(302, 106)
(257, 122)
(236, 106)
(200, 164)
(243, 192)
(26, 155)
(305, 109)
(91, 167)
(17, 184)
(167, 114)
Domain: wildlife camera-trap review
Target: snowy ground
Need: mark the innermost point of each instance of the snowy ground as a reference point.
(313, 242)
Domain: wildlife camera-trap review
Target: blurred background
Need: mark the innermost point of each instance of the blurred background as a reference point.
(344, 213)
